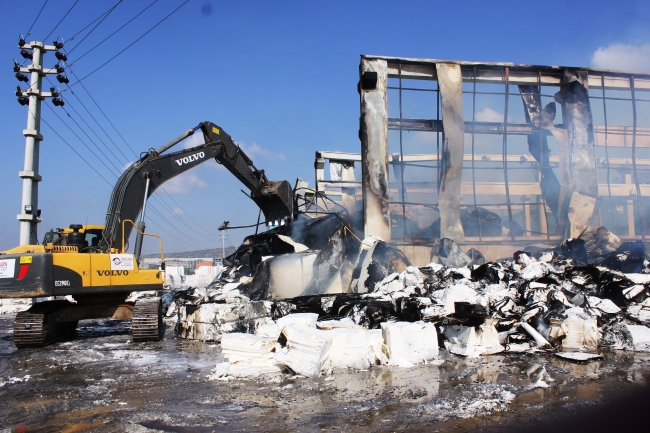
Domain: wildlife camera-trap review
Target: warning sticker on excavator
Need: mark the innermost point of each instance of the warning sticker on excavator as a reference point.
(121, 262)
(215, 130)
(7, 267)
(26, 259)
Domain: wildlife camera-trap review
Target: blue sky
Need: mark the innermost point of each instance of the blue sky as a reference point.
(280, 77)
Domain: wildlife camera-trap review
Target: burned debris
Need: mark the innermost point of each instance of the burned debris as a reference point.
(311, 297)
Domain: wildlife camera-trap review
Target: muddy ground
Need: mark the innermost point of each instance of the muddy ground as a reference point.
(103, 382)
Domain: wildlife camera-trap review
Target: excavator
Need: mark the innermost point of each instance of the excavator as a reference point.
(90, 264)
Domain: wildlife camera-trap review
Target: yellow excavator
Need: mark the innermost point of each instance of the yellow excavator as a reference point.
(91, 263)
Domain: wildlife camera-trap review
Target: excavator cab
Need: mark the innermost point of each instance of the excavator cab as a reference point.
(83, 237)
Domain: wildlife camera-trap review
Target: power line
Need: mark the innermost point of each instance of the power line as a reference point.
(97, 122)
(157, 212)
(180, 240)
(186, 214)
(102, 111)
(39, 14)
(112, 34)
(173, 212)
(154, 209)
(117, 169)
(123, 139)
(66, 14)
(89, 149)
(91, 129)
(73, 149)
(132, 43)
(159, 199)
(93, 29)
(91, 23)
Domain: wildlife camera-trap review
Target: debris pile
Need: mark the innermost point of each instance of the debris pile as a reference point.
(589, 293)
(300, 344)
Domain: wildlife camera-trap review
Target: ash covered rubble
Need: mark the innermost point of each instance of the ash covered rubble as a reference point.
(311, 297)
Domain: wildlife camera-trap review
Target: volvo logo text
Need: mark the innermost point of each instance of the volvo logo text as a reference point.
(112, 273)
(190, 158)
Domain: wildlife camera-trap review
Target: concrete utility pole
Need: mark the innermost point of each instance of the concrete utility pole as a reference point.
(223, 234)
(29, 215)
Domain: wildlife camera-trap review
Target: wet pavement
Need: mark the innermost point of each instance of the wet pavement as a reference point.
(103, 382)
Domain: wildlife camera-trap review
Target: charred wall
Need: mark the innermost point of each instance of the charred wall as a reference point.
(501, 154)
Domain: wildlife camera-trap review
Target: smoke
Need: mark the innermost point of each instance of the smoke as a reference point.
(623, 57)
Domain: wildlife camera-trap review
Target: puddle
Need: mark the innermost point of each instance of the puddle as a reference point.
(101, 381)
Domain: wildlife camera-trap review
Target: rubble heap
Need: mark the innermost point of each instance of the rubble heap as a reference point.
(587, 294)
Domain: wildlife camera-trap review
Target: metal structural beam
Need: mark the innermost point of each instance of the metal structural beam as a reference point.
(374, 148)
(453, 146)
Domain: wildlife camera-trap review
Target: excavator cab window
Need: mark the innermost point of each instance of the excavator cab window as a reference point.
(53, 238)
(93, 236)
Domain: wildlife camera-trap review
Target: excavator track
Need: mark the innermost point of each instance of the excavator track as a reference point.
(147, 324)
(33, 328)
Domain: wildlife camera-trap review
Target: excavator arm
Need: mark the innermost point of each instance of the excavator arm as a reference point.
(274, 198)
(156, 167)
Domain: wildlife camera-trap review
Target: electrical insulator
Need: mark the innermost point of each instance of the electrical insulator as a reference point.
(62, 79)
(23, 100)
(61, 56)
(22, 77)
(57, 45)
(19, 91)
(16, 66)
(21, 41)
(58, 68)
(58, 102)
(26, 54)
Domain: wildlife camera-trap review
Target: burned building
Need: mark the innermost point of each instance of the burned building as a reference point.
(494, 156)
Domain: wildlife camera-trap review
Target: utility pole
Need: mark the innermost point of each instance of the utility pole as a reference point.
(29, 215)
(223, 229)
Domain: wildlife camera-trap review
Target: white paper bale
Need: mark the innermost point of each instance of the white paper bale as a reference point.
(356, 348)
(413, 342)
(579, 334)
(307, 349)
(304, 319)
(467, 341)
(640, 337)
(346, 322)
(239, 347)
(269, 330)
(489, 337)
(255, 367)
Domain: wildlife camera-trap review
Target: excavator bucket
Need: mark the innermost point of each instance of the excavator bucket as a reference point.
(276, 201)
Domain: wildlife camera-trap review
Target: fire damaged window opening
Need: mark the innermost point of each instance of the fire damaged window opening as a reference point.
(547, 151)
(401, 225)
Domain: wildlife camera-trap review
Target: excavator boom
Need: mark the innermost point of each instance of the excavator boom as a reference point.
(155, 167)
